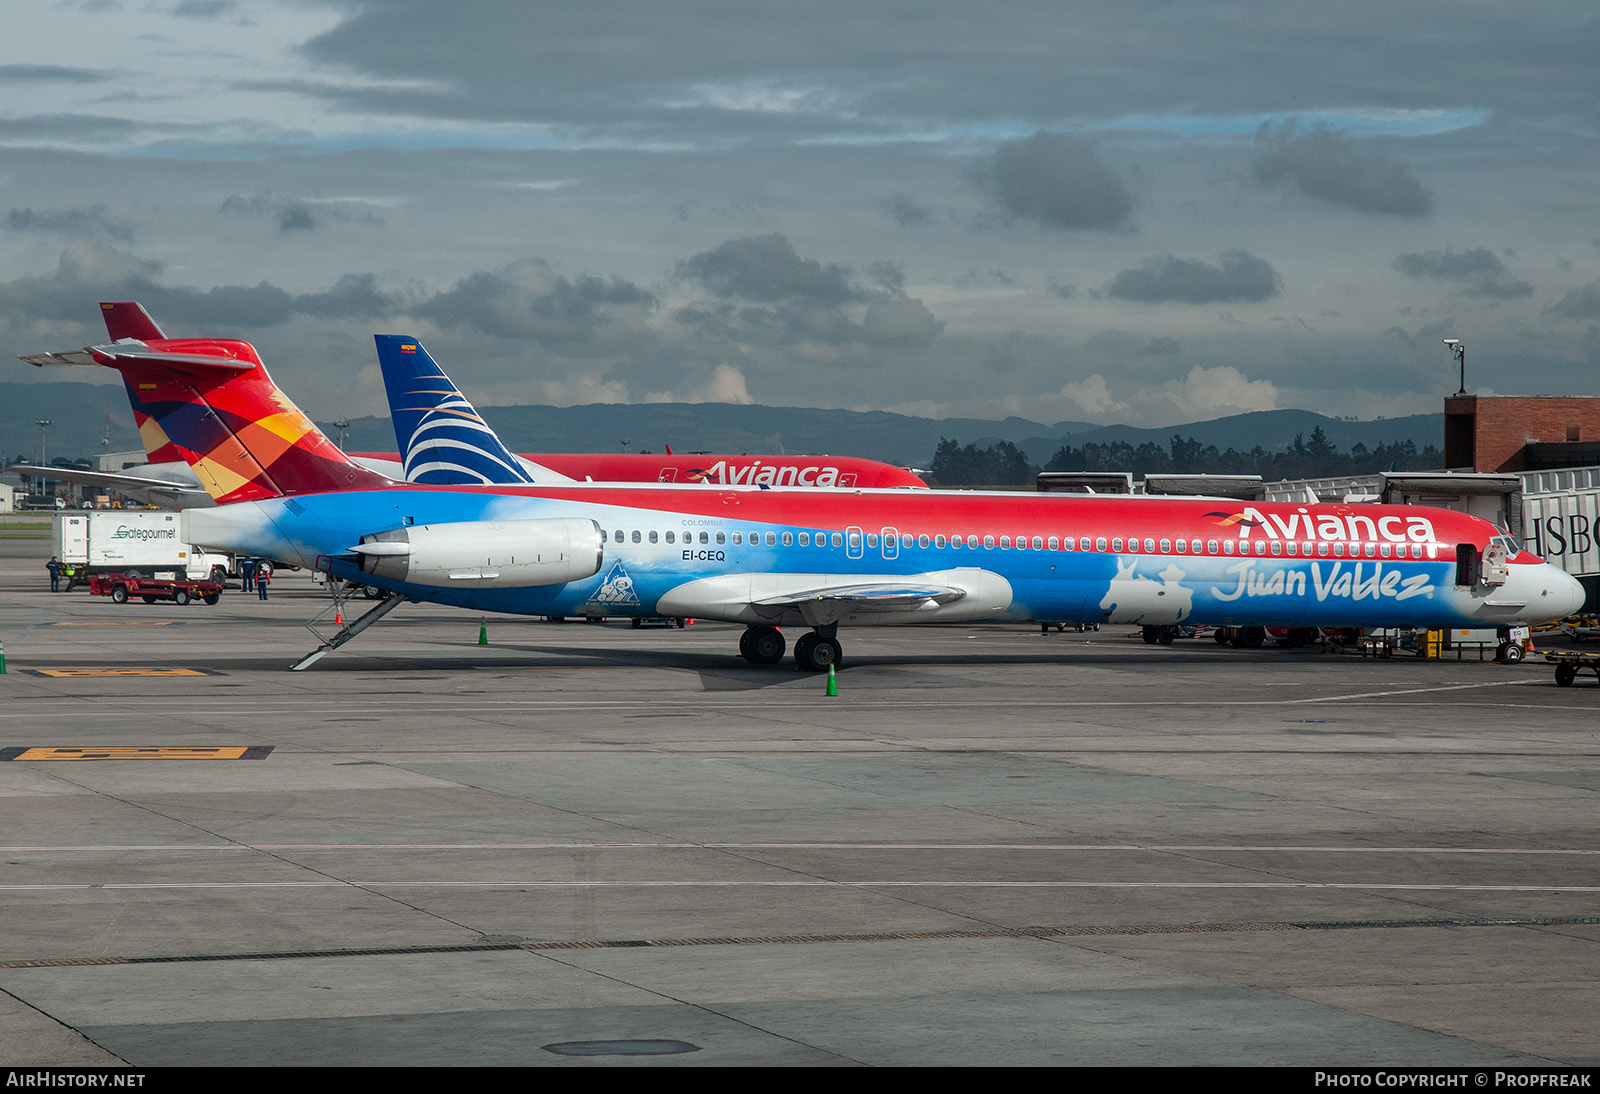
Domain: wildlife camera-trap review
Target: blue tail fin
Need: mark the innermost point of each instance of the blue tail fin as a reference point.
(442, 439)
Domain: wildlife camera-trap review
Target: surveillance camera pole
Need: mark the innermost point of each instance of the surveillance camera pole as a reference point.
(1460, 352)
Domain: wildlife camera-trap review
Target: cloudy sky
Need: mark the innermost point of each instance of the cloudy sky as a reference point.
(1140, 211)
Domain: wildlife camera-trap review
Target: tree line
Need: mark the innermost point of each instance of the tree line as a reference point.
(1003, 464)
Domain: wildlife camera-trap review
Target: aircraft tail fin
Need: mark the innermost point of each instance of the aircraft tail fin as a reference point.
(443, 440)
(127, 319)
(211, 403)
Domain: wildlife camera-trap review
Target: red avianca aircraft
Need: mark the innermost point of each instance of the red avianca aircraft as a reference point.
(817, 558)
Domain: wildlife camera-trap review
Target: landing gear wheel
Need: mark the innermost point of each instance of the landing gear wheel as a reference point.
(1148, 634)
(762, 645)
(1510, 653)
(637, 623)
(1165, 635)
(815, 653)
(1222, 635)
(180, 597)
(1566, 674)
(1250, 638)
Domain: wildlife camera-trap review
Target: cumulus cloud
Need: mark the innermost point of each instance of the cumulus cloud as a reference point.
(78, 221)
(1237, 276)
(1122, 345)
(1059, 181)
(767, 269)
(528, 300)
(1323, 163)
(765, 293)
(1479, 270)
(293, 214)
(1581, 303)
(906, 211)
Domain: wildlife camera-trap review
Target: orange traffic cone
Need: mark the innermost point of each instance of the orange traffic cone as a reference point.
(338, 617)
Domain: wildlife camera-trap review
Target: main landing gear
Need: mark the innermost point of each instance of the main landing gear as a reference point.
(815, 651)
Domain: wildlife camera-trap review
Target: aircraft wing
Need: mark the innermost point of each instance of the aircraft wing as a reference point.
(818, 599)
(866, 598)
(152, 491)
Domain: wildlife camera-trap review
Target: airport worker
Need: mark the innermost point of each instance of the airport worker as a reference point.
(247, 573)
(54, 566)
(263, 579)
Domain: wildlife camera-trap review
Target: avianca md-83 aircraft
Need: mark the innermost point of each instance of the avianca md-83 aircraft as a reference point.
(807, 557)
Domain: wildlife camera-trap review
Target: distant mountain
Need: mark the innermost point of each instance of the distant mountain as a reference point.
(78, 412)
(1273, 430)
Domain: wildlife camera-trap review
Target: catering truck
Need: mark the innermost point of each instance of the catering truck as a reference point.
(137, 543)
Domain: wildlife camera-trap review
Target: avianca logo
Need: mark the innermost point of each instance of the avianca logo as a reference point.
(722, 473)
(1329, 526)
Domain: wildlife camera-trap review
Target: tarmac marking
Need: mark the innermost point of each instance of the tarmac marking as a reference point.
(89, 752)
(809, 883)
(812, 846)
(955, 934)
(60, 673)
(118, 623)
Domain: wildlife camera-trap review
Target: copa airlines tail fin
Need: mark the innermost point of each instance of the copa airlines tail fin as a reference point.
(210, 402)
(443, 440)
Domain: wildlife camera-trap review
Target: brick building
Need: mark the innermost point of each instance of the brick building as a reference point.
(1498, 433)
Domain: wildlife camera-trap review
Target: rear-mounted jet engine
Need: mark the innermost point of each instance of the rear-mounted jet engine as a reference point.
(493, 554)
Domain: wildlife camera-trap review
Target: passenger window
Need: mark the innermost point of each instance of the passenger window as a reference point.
(1322, 550)
(1277, 548)
(722, 537)
(1227, 546)
(1038, 543)
(972, 541)
(1116, 544)
(1383, 550)
(1084, 544)
(988, 542)
(1065, 544)
(1370, 550)
(1211, 546)
(872, 539)
(838, 540)
(788, 539)
(1166, 546)
(1150, 546)
(1292, 548)
(669, 538)
(955, 541)
(654, 535)
(805, 539)
(922, 541)
(1005, 543)
(738, 538)
(636, 536)
(616, 537)
(1183, 546)
(938, 541)
(705, 537)
(1338, 550)
(1100, 543)
(1261, 546)
(772, 539)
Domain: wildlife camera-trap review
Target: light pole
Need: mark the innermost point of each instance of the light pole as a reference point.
(42, 423)
(1460, 352)
(341, 427)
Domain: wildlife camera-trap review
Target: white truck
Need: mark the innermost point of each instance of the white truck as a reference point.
(138, 543)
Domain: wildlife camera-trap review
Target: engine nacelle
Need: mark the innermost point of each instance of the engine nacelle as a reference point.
(490, 554)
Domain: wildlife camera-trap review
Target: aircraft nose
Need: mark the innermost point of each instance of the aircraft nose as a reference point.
(1566, 592)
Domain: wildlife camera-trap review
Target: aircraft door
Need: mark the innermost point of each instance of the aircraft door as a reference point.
(891, 543)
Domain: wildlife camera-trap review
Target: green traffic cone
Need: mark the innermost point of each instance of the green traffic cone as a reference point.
(483, 632)
(833, 682)
(2, 659)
